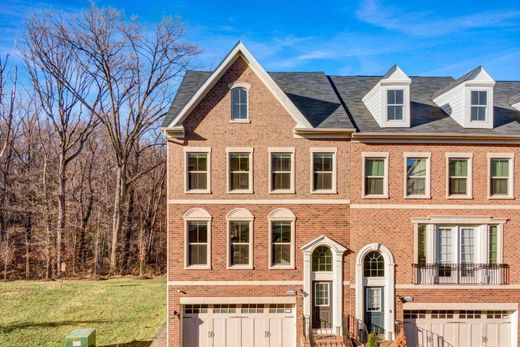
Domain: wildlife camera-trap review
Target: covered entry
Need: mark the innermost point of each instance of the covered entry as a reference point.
(239, 325)
(323, 285)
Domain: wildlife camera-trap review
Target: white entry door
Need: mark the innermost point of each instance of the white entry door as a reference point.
(251, 325)
(452, 328)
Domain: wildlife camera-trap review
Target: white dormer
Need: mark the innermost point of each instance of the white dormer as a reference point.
(389, 100)
(469, 99)
(516, 103)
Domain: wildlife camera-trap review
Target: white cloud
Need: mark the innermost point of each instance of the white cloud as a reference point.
(422, 24)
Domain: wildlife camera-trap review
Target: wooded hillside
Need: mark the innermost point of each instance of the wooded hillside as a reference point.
(82, 160)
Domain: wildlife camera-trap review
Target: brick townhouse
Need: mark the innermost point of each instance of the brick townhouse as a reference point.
(306, 209)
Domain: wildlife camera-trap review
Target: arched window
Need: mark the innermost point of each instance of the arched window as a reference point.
(322, 259)
(239, 104)
(374, 265)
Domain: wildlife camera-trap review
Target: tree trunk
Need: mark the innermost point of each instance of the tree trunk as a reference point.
(117, 215)
(129, 230)
(61, 212)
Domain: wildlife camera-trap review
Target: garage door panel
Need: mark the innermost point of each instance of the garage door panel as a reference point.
(451, 328)
(253, 331)
(195, 332)
(239, 326)
(504, 334)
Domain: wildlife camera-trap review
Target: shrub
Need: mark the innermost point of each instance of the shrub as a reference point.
(373, 341)
(400, 340)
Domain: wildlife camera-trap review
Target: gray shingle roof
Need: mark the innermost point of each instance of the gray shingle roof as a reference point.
(426, 116)
(316, 96)
(310, 92)
(458, 81)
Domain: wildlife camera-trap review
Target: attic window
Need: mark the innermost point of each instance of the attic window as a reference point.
(395, 104)
(478, 105)
(239, 104)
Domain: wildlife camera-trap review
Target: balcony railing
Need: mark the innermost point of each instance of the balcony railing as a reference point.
(484, 274)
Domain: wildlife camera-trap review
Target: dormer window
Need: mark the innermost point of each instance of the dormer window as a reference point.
(239, 103)
(478, 105)
(389, 100)
(395, 104)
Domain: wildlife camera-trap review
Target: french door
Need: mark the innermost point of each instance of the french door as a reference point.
(455, 254)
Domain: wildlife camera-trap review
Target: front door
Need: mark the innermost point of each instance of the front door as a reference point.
(322, 305)
(374, 309)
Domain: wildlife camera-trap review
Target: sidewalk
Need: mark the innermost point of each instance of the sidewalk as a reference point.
(160, 338)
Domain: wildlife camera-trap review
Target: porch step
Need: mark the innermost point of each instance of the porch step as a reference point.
(329, 341)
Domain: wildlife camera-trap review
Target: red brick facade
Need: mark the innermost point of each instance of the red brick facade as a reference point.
(343, 216)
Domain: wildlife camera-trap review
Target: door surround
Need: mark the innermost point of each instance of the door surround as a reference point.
(387, 282)
(336, 276)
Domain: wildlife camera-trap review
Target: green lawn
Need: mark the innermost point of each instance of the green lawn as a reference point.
(123, 311)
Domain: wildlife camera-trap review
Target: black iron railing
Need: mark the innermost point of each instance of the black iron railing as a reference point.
(355, 328)
(484, 274)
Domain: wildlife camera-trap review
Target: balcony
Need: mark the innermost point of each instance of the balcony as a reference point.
(463, 274)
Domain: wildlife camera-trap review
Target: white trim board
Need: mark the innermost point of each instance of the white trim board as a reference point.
(460, 306)
(235, 283)
(259, 202)
(239, 300)
(436, 207)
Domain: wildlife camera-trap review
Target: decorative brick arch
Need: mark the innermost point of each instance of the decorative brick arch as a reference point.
(388, 283)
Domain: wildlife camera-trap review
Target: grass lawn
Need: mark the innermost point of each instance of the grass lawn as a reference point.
(124, 311)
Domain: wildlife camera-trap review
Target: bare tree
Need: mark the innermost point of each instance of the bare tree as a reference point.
(133, 70)
(59, 105)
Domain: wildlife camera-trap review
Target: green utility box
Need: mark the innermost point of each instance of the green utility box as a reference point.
(81, 338)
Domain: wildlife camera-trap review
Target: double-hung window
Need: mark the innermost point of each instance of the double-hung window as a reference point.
(478, 105)
(239, 243)
(500, 175)
(197, 238)
(240, 177)
(395, 104)
(197, 243)
(417, 175)
(375, 175)
(281, 239)
(239, 104)
(459, 175)
(281, 167)
(323, 176)
(197, 164)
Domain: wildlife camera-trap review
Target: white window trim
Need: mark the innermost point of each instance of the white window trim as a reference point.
(328, 292)
(246, 86)
(328, 150)
(249, 150)
(488, 122)
(271, 151)
(511, 178)
(481, 226)
(197, 215)
(427, 189)
(388, 89)
(206, 150)
(375, 155)
(469, 157)
(405, 122)
(281, 215)
(240, 215)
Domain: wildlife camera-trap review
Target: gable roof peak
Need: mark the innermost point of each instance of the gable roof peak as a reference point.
(240, 50)
(395, 74)
(477, 73)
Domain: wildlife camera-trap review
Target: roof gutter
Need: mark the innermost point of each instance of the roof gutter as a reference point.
(400, 137)
(176, 132)
(323, 132)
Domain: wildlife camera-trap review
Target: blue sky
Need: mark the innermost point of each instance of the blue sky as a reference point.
(339, 37)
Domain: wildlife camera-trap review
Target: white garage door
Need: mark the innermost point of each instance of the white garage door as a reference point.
(453, 328)
(249, 325)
